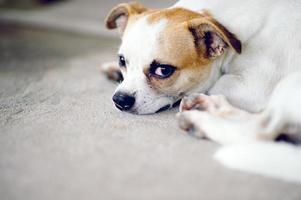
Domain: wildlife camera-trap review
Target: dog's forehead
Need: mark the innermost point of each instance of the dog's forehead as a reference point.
(140, 40)
(158, 34)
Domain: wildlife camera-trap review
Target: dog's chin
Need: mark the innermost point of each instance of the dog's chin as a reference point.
(149, 110)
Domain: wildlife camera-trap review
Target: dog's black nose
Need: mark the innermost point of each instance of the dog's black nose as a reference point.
(123, 101)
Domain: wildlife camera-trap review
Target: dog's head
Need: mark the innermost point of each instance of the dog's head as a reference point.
(165, 54)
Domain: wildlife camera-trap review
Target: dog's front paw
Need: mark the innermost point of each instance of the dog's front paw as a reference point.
(112, 71)
(216, 104)
(190, 122)
(196, 101)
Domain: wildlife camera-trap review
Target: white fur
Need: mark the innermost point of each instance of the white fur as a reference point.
(252, 76)
(274, 160)
(260, 80)
(244, 133)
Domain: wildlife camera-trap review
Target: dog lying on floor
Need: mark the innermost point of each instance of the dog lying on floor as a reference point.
(236, 65)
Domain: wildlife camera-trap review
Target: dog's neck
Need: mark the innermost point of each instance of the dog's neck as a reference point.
(220, 67)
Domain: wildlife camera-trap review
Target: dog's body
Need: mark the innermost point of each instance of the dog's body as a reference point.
(199, 42)
(270, 33)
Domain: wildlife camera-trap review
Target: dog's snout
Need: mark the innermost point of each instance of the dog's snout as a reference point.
(123, 101)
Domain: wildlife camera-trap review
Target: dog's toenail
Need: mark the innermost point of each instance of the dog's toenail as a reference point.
(199, 107)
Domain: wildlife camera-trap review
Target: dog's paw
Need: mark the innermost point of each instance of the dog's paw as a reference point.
(194, 102)
(215, 104)
(190, 121)
(202, 102)
(112, 71)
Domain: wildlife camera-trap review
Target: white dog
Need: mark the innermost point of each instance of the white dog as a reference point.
(247, 53)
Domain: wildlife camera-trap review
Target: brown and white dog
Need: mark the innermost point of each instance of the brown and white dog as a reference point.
(244, 55)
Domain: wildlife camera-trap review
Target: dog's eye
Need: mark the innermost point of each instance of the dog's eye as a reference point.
(122, 62)
(164, 71)
(161, 70)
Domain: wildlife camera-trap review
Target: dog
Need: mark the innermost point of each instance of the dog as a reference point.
(236, 66)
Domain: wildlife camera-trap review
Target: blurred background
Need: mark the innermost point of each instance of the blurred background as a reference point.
(62, 138)
(80, 16)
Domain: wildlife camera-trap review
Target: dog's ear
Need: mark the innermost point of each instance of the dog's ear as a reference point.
(212, 38)
(119, 15)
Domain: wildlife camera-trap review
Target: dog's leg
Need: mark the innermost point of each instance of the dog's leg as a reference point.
(278, 160)
(285, 103)
(215, 118)
(112, 71)
(244, 94)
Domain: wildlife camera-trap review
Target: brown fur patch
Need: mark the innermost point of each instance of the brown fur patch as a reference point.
(175, 15)
(126, 10)
(177, 48)
(231, 38)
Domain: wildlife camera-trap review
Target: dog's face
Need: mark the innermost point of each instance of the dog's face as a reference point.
(164, 55)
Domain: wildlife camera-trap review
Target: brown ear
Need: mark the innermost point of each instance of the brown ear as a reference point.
(211, 37)
(119, 15)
